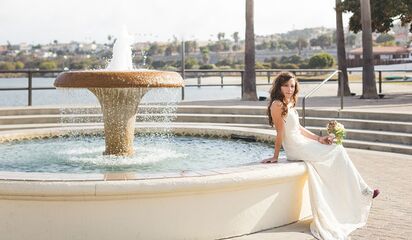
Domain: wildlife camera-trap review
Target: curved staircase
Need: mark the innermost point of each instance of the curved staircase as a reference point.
(387, 132)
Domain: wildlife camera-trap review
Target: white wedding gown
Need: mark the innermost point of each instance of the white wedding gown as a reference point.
(339, 197)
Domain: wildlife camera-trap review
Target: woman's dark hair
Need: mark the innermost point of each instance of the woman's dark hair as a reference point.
(276, 93)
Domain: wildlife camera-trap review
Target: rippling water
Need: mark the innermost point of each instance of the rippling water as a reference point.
(154, 153)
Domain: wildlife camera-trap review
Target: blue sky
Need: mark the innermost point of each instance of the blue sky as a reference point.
(42, 21)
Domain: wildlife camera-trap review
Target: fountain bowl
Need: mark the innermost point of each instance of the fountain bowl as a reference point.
(119, 79)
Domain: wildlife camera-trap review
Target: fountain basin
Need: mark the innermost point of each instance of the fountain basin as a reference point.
(118, 79)
(208, 204)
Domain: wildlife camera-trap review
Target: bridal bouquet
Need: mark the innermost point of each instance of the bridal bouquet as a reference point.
(337, 130)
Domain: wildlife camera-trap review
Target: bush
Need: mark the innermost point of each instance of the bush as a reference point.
(321, 60)
(158, 64)
(48, 65)
(260, 65)
(170, 68)
(225, 67)
(274, 65)
(224, 62)
(7, 66)
(19, 65)
(207, 66)
(190, 63)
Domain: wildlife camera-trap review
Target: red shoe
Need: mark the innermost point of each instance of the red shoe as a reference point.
(375, 193)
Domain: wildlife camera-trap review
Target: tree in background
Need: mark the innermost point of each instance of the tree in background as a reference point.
(301, 43)
(236, 46)
(205, 55)
(274, 45)
(190, 46)
(321, 60)
(368, 73)
(383, 14)
(220, 36)
(378, 16)
(154, 49)
(286, 44)
(249, 78)
(322, 41)
(235, 36)
(170, 49)
(9, 66)
(48, 65)
(340, 44)
(263, 45)
(19, 65)
(384, 37)
(350, 39)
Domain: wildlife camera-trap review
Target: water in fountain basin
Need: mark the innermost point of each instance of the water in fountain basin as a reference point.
(81, 154)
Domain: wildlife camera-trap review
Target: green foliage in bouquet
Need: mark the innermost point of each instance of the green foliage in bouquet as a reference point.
(337, 130)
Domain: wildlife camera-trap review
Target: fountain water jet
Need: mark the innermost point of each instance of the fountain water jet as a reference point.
(119, 90)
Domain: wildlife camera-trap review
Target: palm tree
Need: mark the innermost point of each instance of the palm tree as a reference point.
(340, 43)
(249, 78)
(368, 73)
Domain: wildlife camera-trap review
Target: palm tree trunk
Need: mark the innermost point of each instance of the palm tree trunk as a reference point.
(340, 42)
(368, 74)
(249, 78)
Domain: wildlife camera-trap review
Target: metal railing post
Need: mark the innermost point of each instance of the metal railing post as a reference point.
(340, 77)
(303, 112)
(183, 68)
(199, 80)
(30, 88)
(268, 75)
(221, 79)
(242, 75)
(183, 59)
(380, 81)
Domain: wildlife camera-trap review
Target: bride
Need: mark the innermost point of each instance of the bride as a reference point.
(340, 199)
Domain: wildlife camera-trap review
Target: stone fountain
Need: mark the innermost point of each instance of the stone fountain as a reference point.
(119, 90)
(203, 204)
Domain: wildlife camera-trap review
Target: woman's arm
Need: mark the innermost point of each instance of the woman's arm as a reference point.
(311, 135)
(276, 112)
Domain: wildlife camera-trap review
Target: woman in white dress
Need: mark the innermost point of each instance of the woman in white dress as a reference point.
(340, 199)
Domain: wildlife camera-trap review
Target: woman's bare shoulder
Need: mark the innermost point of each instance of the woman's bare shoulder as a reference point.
(276, 105)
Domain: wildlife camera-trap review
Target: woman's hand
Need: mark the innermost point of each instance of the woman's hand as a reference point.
(328, 140)
(270, 160)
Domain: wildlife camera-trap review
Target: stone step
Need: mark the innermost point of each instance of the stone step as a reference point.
(245, 110)
(371, 136)
(351, 143)
(17, 111)
(357, 114)
(402, 127)
(384, 147)
(201, 109)
(59, 125)
(45, 118)
(73, 118)
(376, 125)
